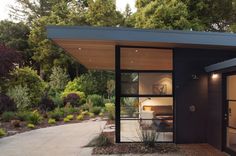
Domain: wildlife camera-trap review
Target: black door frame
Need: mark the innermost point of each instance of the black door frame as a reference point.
(225, 114)
(118, 72)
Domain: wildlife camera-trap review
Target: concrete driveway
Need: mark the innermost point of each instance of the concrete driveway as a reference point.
(65, 140)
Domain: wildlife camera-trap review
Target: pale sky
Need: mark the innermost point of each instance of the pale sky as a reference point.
(4, 7)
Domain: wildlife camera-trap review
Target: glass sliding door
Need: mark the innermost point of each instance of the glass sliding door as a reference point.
(231, 113)
(146, 98)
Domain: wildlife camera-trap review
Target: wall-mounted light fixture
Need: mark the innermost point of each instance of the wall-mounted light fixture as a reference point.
(214, 76)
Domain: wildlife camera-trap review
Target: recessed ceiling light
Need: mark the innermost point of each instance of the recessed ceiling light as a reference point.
(136, 50)
(79, 48)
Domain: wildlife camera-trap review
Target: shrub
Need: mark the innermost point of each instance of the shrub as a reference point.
(34, 118)
(56, 114)
(15, 123)
(85, 113)
(70, 117)
(73, 86)
(58, 79)
(58, 101)
(73, 98)
(51, 121)
(96, 100)
(23, 115)
(8, 116)
(96, 110)
(29, 125)
(101, 114)
(68, 109)
(66, 120)
(80, 117)
(101, 141)
(29, 78)
(2, 132)
(46, 104)
(6, 103)
(148, 137)
(110, 108)
(91, 115)
(20, 95)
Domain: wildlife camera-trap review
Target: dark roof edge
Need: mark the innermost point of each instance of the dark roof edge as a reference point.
(221, 65)
(142, 30)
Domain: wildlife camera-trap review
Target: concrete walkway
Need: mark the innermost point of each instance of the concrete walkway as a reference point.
(65, 140)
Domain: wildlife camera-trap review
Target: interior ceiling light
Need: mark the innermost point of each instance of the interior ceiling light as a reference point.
(136, 50)
(79, 48)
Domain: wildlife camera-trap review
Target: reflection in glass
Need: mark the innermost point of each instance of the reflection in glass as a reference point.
(129, 83)
(129, 107)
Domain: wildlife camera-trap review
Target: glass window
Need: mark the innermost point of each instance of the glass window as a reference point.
(155, 84)
(129, 107)
(129, 83)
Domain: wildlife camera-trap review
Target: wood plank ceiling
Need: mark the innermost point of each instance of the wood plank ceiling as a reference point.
(100, 55)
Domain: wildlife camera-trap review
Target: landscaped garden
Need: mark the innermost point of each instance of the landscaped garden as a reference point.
(28, 102)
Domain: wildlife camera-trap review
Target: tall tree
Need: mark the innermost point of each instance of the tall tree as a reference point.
(128, 17)
(214, 15)
(162, 14)
(103, 13)
(15, 35)
(46, 54)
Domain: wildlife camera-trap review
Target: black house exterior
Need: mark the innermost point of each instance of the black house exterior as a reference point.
(179, 84)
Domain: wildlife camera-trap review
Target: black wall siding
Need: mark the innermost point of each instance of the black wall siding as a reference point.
(214, 126)
(197, 127)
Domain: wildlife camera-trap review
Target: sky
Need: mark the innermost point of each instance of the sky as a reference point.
(4, 7)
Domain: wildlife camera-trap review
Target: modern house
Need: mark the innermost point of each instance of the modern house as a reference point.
(180, 84)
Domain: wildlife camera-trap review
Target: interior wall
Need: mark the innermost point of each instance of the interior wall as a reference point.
(198, 101)
(146, 82)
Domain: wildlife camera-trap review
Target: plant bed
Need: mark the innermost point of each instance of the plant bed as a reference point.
(12, 130)
(136, 148)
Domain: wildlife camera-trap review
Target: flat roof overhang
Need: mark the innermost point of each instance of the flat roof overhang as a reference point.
(94, 47)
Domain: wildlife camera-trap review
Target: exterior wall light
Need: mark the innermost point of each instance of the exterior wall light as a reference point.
(214, 76)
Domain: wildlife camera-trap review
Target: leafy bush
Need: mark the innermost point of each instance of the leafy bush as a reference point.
(46, 104)
(101, 141)
(51, 121)
(68, 109)
(110, 108)
(85, 113)
(148, 137)
(29, 125)
(23, 115)
(8, 116)
(80, 117)
(96, 100)
(91, 115)
(15, 123)
(28, 77)
(34, 118)
(75, 98)
(70, 117)
(58, 101)
(101, 114)
(58, 79)
(6, 103)
(56, 114)
(72, 99)
(20, 95)
(73, 86)
(66, 120)
(96, 110)
(2, 132)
